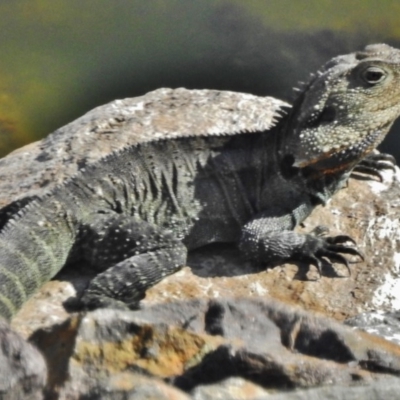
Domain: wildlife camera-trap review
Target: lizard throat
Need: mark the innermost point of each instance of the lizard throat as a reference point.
(343, 159)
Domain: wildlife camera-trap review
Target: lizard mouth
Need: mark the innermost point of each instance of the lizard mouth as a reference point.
(327, 164)
(314, 161)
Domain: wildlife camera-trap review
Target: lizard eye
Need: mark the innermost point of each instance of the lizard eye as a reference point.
(373, 75)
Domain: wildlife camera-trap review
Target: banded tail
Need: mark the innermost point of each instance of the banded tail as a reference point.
(34, 246)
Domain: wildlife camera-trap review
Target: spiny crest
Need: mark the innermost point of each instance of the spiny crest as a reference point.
(29, 208)
(158, 115)
(303, 85)
(261, 113)
(20, 214)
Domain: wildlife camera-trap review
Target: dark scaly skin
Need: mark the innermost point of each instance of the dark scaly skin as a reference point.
(134, 214)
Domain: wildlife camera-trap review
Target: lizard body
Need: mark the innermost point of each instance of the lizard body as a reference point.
(135, 213)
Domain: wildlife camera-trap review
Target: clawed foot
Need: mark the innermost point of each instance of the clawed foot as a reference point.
(316, 248)
(375, 163)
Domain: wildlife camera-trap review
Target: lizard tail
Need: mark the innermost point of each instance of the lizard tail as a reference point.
(34, 246)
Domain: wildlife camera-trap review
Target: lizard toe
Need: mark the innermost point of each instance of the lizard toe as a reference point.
(345, 249)
(336, 257)
(315, 249)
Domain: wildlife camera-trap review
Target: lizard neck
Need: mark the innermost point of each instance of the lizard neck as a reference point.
(319, 181)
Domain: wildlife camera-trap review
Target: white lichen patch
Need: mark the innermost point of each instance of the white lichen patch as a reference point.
(394, 338)
(381, 228)
(258, 289)
(385, 231)
(388, 294)
(336, 211)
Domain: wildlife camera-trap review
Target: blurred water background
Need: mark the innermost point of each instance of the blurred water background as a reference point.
(61, 58)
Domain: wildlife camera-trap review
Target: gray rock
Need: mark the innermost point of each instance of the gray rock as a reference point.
(22, 368)
(190, 344)
(384, 389)
(230, 389)
(384, 324)
(121, 386)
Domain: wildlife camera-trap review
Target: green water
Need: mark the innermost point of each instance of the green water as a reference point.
(60, 58)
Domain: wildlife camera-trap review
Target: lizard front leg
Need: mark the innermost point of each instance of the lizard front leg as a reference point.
(269, 240)
(134, 256)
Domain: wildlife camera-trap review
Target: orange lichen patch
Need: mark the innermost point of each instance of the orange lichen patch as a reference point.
(161, 351)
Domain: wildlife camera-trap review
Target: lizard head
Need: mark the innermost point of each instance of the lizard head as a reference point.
(345, 111)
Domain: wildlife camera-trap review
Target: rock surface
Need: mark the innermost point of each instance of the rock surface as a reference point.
(384, 324)
(23, 370)
(268, 345)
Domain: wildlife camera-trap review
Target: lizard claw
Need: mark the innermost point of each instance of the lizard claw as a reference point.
(322, 230)
(313, 260)
(374, 163)
(335, 257)
(340, 239)
(331, 248)
(337, 248)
